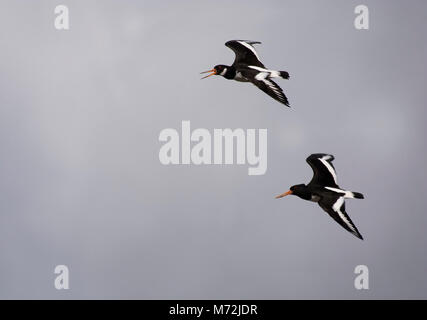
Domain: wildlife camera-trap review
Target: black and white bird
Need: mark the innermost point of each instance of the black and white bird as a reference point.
(247, 67)
(323, 189)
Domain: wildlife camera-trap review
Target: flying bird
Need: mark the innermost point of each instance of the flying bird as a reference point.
(247, 67)
(323, 189)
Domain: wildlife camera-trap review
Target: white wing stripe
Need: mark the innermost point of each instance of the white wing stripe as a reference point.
(329, 167)
(261, 76)
(247, 45)
(347, 194)
(258, 68)
(272, 73)
(337, 208)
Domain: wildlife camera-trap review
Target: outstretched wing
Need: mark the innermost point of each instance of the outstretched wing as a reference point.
(323, 169)
(245, 52)
(263, 82)
(335, 207)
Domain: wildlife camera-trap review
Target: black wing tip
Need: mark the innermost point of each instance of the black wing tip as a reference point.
(316, 156)
(279, 96)
(251, 41)
(230, 42)
(358, 235)
(283, 100)
(354, 231)
(247, 41)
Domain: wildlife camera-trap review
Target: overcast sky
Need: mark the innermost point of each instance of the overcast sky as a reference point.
(82, 185)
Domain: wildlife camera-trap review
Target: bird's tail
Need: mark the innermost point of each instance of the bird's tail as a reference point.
(284, 74)
(358, 195)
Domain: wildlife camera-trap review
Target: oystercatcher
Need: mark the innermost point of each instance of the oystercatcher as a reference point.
(248, 68)
(324, 190)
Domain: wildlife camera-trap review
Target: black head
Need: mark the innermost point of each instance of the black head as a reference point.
(299, 190)
(219, 70)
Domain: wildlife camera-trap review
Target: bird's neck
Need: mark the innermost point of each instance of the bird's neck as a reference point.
(303, 192)
(230, 73)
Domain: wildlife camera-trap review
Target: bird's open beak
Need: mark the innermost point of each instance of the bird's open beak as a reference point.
(284, 194)
(213, 73)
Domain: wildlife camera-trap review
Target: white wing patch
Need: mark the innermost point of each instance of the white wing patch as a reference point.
(273, 89)
(261, 76)
(347, 194)
(337, 208)
(270, 73)
(329, 167)
(247, 45)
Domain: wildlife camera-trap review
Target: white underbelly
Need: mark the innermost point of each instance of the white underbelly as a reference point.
(240, 78)
(315, 198)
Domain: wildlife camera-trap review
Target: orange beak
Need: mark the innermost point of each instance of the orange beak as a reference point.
(213, 73)
(284, 194)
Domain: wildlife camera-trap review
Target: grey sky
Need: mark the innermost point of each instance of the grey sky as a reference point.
(81, 183)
